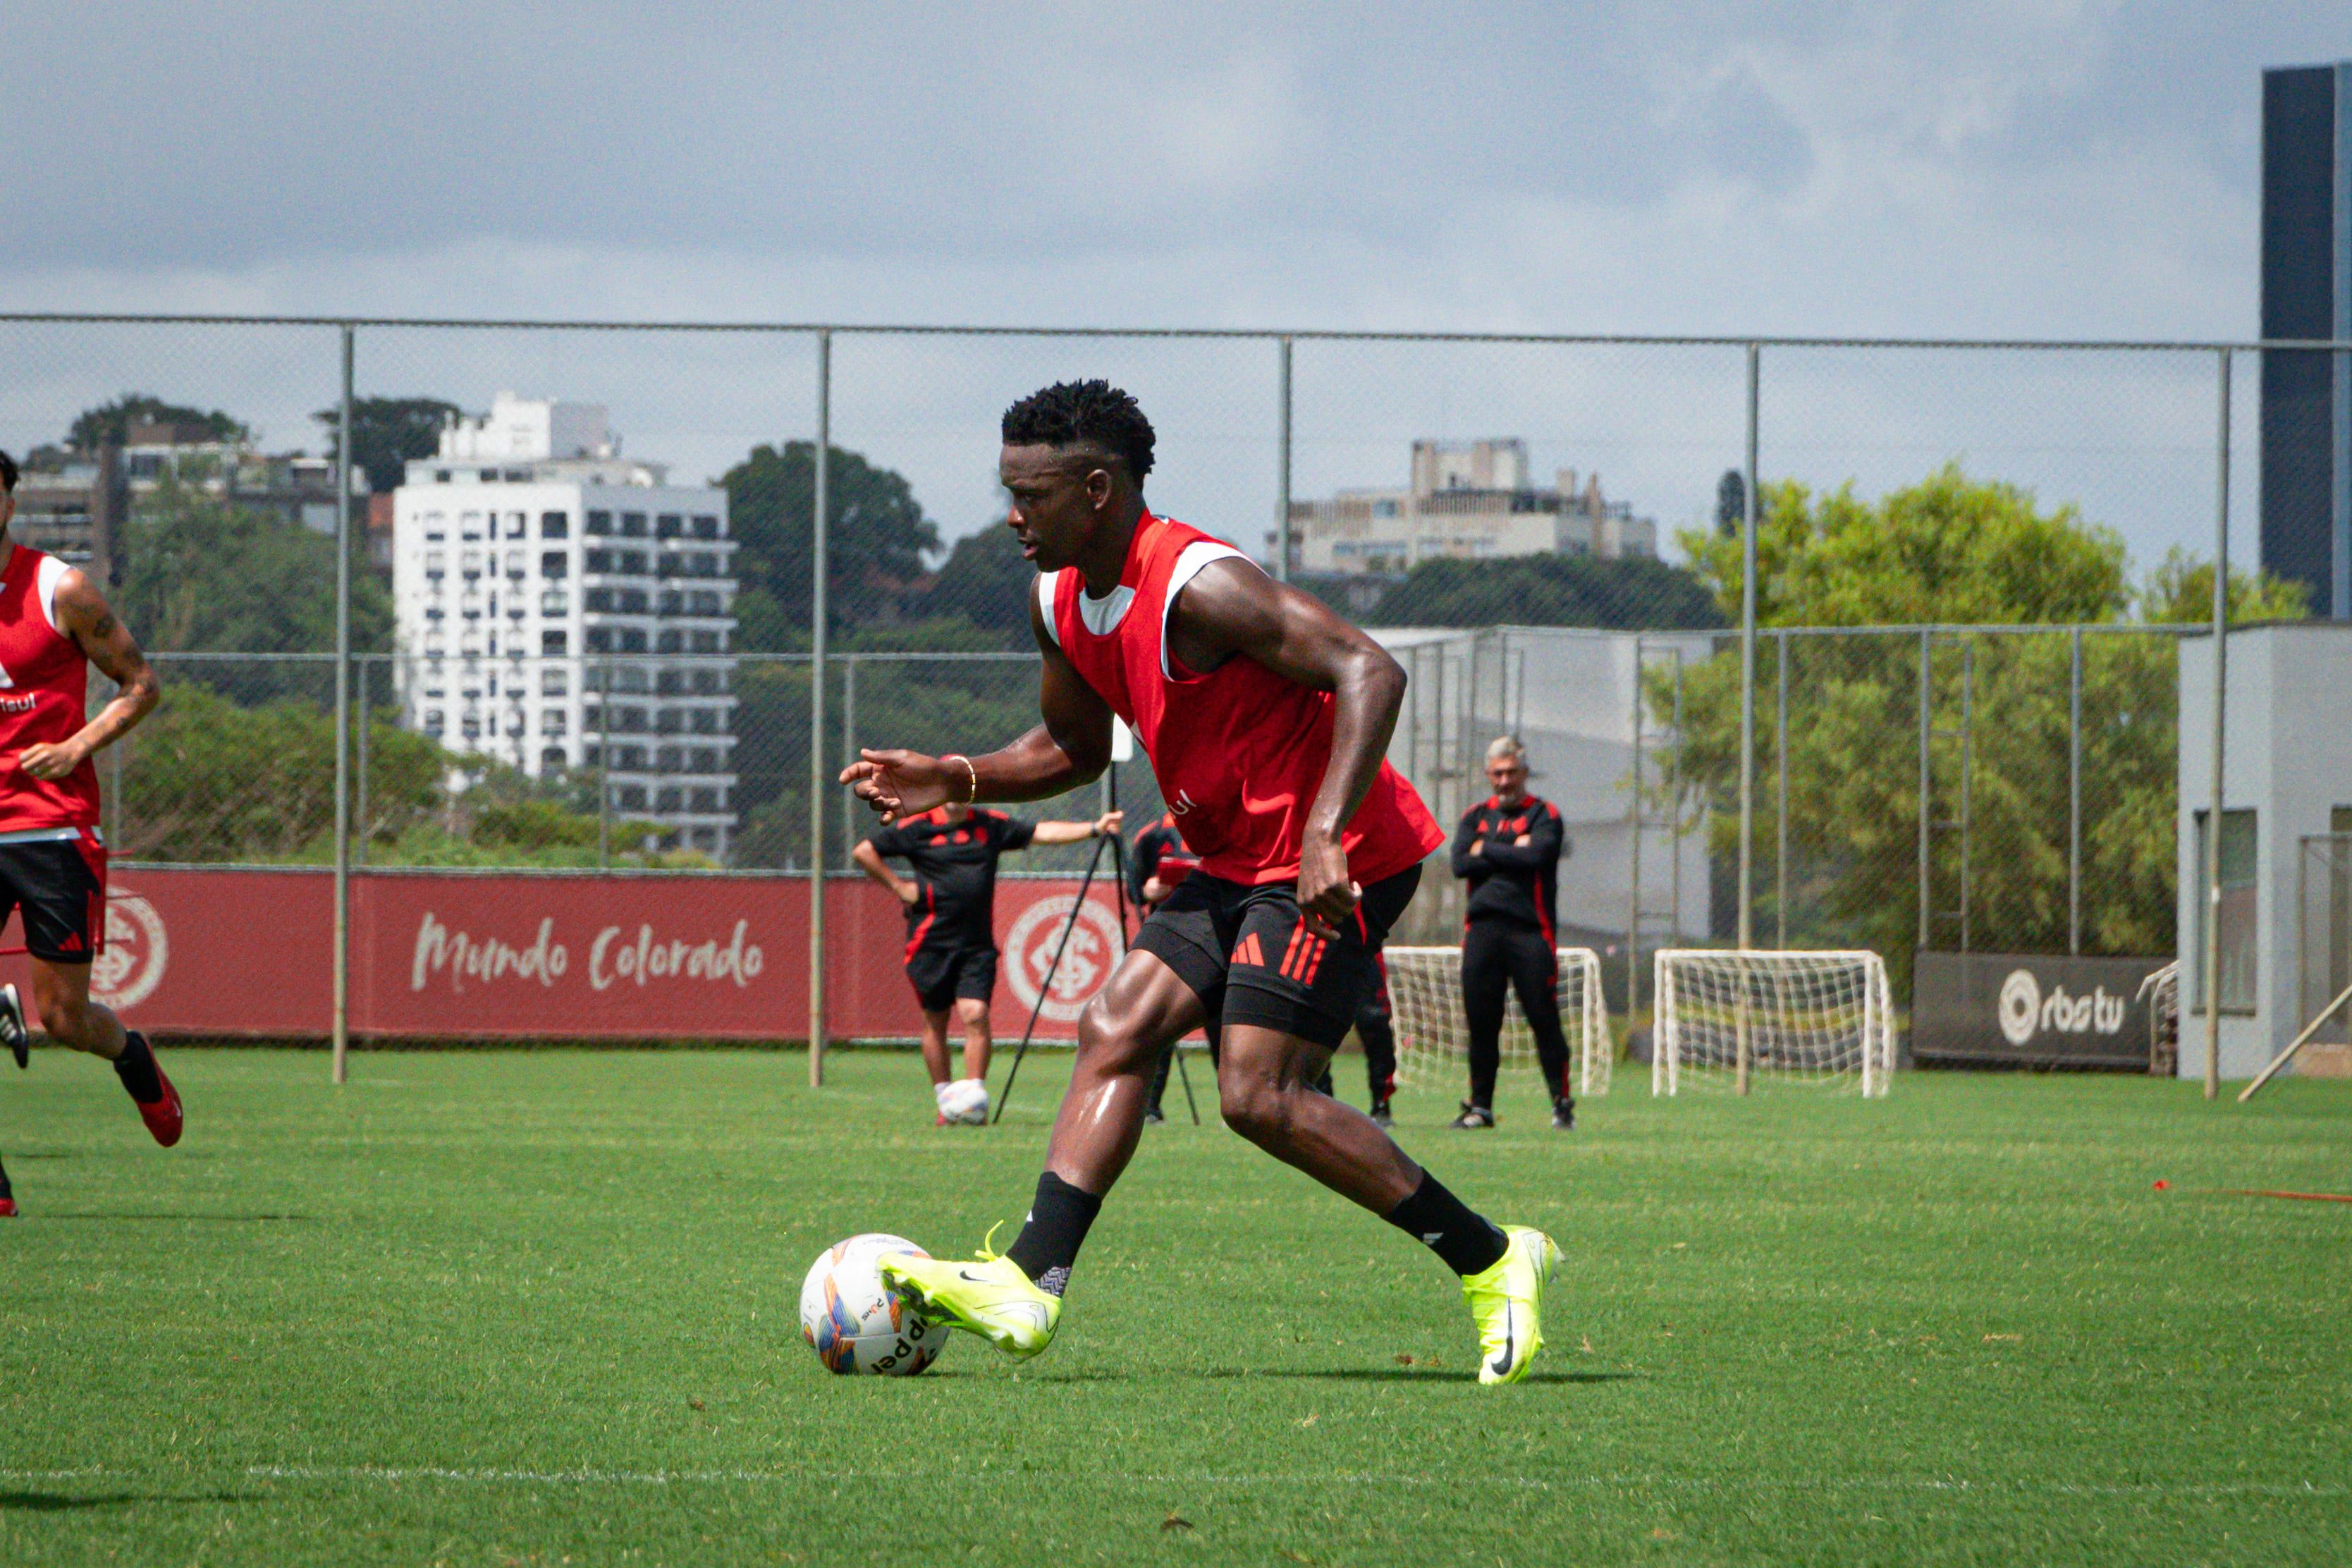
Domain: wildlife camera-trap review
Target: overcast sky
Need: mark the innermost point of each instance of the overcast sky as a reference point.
(1995, 169)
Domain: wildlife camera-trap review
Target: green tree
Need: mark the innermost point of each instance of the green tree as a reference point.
(984, 581)
(206, 575)
(1954, 552)
(877, 541)
(109, 424)
(1552, 590)
(386, 432)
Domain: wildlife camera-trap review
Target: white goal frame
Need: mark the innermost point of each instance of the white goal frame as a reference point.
(1759, 1029)
(1426, 1012)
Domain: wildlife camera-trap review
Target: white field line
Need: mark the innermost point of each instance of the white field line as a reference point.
(395, 1475)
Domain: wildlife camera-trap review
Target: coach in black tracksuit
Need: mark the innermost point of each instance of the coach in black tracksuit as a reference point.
(1508, 847)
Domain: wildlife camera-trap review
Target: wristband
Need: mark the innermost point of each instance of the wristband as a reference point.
(970, 771)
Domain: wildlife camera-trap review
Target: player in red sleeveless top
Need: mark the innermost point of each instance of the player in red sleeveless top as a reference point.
(1266, 719)
(54, 624)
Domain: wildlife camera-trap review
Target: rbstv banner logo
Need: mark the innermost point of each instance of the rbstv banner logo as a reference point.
(2026, 1013)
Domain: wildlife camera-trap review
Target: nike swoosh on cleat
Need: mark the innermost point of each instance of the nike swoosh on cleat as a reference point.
(967, 1275)
(1501, 1365)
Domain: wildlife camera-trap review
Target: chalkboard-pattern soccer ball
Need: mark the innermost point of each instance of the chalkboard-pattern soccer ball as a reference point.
(857, 1323)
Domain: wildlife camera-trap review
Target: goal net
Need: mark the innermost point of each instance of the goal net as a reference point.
(1821, 1018)
(1433, 1036)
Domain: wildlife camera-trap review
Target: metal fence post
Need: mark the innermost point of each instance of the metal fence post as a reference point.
(1634, 914)
(1927, 713)
(848, 752)
(817, 781)
(360, 782)
(343, 955)
(603, 763)
(1781, 802)
(1748, 682)
(2075, 793)
(2213, 988)
(1282, 515)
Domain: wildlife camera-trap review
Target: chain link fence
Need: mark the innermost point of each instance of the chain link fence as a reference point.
(592, 646)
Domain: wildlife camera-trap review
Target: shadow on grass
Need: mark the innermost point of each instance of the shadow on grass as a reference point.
(59, 1502)
(196, 1219)
(1334, 1374)
(1414, 1374)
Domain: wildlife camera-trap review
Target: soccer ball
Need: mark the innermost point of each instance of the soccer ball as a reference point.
(857, 1323)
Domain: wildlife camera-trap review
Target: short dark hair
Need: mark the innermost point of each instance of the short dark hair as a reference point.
(1084, 413)
(8, 473)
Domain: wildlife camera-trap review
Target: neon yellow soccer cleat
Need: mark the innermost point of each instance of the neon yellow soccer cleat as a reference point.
(1508, 1303)
(988, 1296)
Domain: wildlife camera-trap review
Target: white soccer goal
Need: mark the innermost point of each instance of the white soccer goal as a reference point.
(1727, 1017)
(1433, 1036)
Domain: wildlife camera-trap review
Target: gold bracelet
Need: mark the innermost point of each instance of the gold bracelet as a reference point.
(973, 798)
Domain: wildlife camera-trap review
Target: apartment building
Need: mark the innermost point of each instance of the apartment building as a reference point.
(561, 608)
(1471, 500)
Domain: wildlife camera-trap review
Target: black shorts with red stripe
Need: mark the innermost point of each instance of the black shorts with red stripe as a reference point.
(947, 967)
(58, 877)
(1248, 955)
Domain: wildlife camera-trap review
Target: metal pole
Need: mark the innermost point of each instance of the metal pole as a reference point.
(1748, 685)
(2074, 793)
(359, 784)
(1674, 812)
(1967, 768)
(2220, 692)
(343, 955)
(1927, 714)
(848, 751)
(1633, 910)
(603, 763)
(817, 781)
(1282, 515)
(1780, 805)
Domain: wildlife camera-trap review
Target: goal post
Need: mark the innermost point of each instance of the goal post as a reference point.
(1728, 1016)
(1433, 1033)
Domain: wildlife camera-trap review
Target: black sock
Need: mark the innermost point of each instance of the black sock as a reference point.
(5, 1191)
(1447, 1227)
(1059, 1218)
(136, 1068)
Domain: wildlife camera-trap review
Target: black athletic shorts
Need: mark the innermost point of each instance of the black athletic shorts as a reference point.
(1249, 956)
(59, 881)
(943, 971)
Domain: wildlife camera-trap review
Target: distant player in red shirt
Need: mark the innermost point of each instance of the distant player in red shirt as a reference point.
(952, 928)
(1266, 719)
(54, 624)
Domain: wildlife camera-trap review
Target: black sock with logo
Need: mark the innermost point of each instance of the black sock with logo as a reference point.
(1047, 1247)
(1449, 1227)
(136, 1068)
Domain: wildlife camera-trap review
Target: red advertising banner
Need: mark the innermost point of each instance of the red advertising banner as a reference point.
(215, 951)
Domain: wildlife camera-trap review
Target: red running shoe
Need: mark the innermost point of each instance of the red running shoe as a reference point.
(163, 1116)
(7, 1208)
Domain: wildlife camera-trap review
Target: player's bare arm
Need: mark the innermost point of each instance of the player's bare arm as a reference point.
(1231, 608)
(869, 860)
(1071, 747)
(1107, 825)
(84, 614)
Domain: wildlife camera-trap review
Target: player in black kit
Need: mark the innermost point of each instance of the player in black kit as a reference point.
(1509, 848)
(952, 928)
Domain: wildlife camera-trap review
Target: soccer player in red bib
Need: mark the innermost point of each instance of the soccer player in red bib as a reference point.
(952, 928)
(54, 624)
(1266, 719)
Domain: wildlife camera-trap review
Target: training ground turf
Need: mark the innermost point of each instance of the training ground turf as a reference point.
(513, 1308)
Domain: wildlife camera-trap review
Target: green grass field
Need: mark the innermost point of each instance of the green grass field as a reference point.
(539, 1309)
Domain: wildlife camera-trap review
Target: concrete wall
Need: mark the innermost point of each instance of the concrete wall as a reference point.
(2287, 755)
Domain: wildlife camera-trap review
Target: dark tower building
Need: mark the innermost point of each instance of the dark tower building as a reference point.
(2307, 294)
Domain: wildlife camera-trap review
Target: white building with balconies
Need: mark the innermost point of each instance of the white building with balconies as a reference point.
(568, 611)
